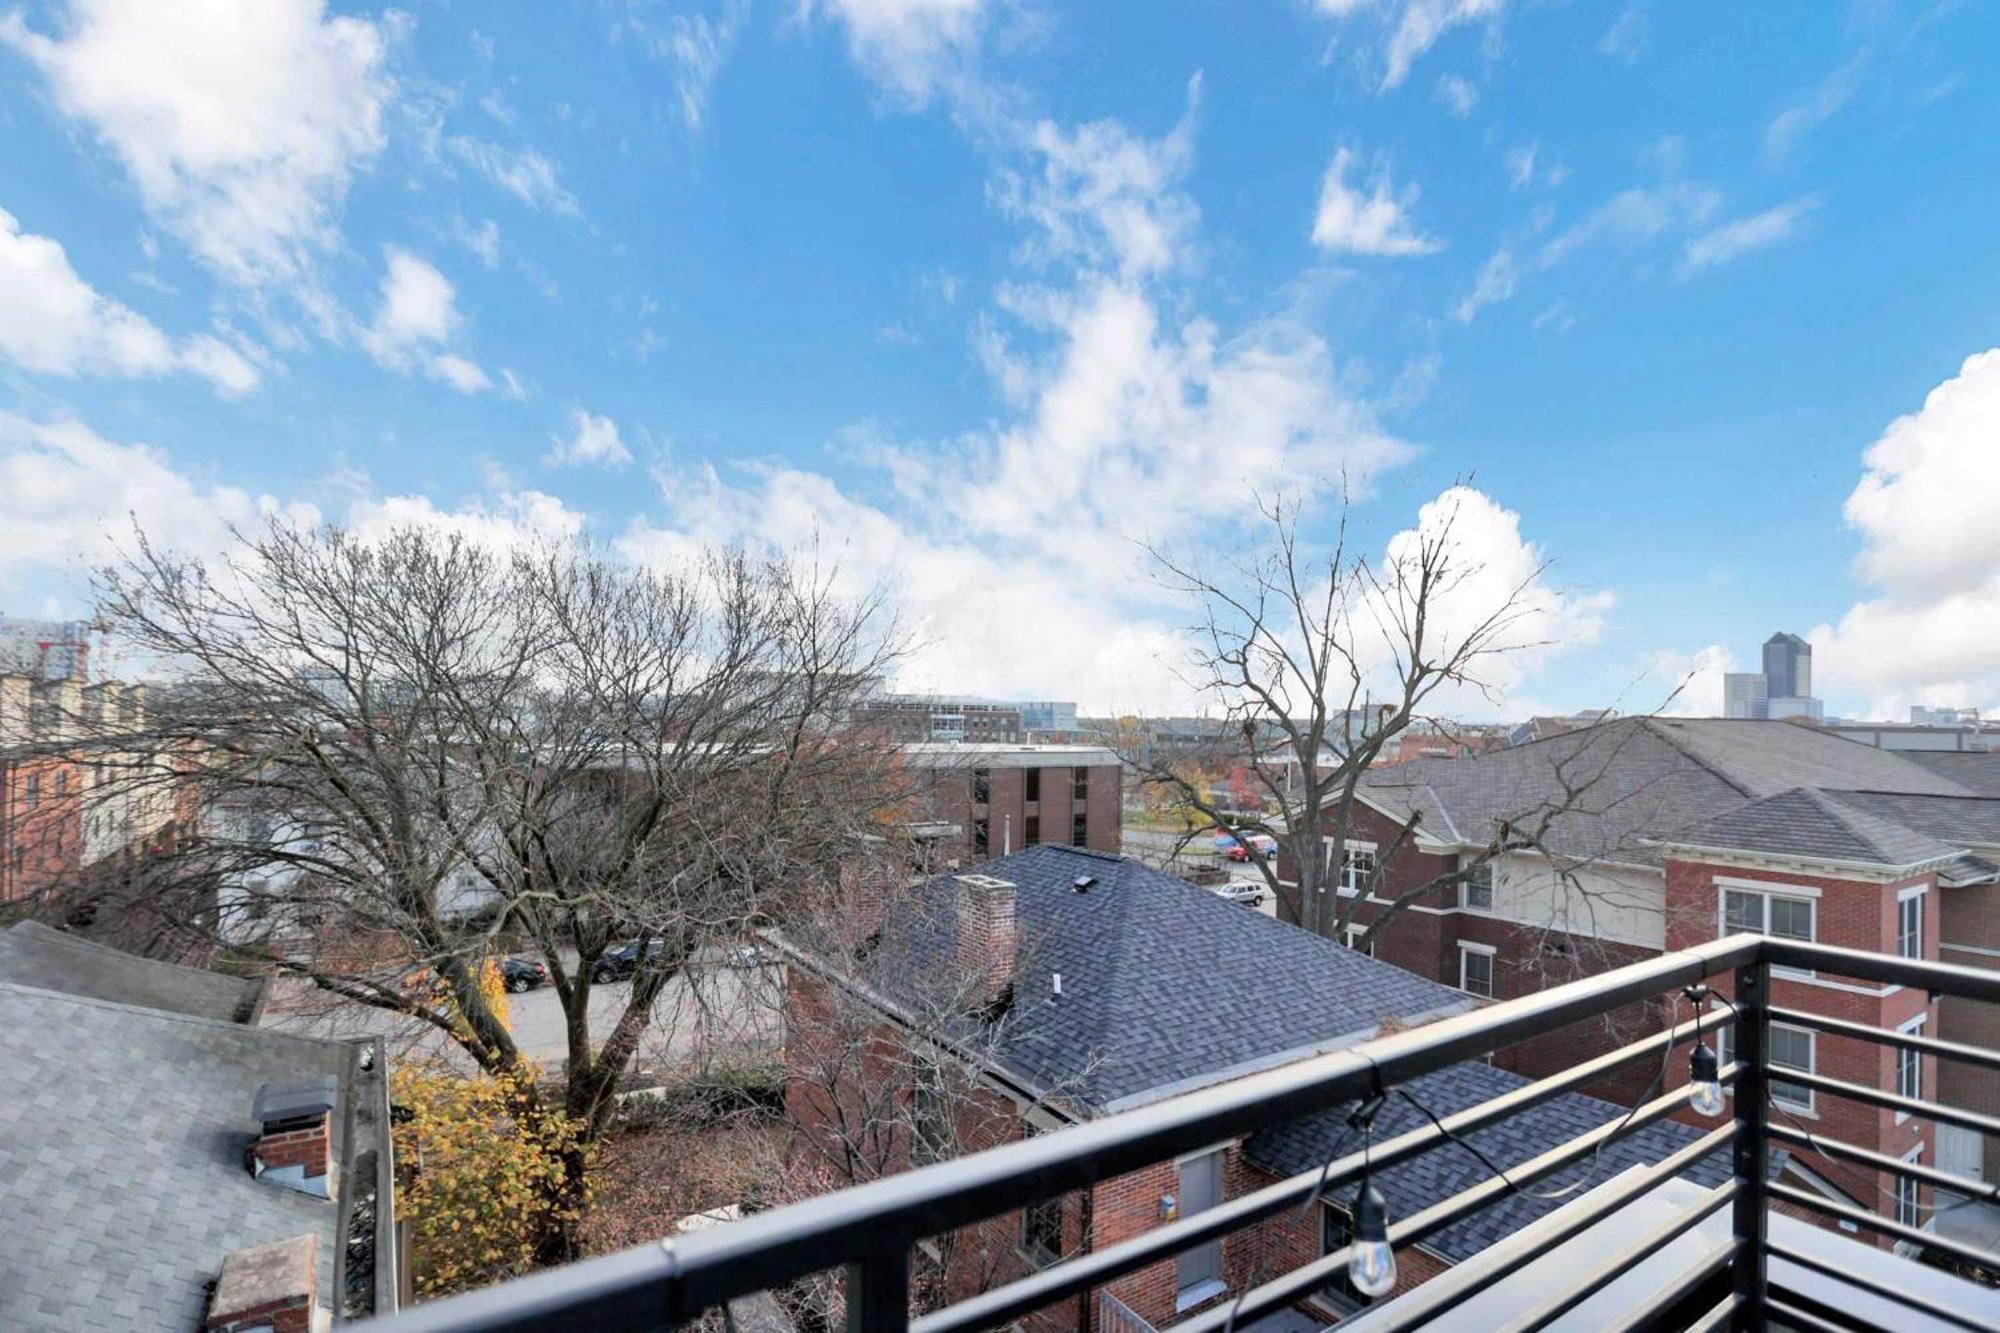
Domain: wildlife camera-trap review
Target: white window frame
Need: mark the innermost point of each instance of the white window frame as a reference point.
(1345, 882)
(1466, 887)
(1914, 1157)
(1805, 893)
(1469, 948)
(1725, 1051)
(1913, 895)
(1912, 1028)
(1353, 933)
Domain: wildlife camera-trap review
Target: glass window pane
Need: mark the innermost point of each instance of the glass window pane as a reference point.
(1791, 1048)
(1742, 911)
(1792, 918)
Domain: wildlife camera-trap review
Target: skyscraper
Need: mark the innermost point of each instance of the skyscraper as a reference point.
(1787, 667)
(1743, 694)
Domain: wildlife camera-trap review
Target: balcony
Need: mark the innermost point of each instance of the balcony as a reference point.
(1647, 1249)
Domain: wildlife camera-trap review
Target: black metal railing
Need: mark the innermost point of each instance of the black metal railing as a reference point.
(869, 1231)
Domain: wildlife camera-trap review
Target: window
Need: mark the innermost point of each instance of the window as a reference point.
(1079, 830)
(1336, 1233)
(1354, 934)
(1357, 867)
(982, 785)
(930, 1124)
(979, 837)
(1031, 831)
(1041, 1231)
(1910, 1067)
(1909, 1209)
(1790, 1048)
(34, 792)
(1781, 915)
(1200, 1267)
(1032, 782)
(1079, 782)
(1475, 968)
(1910, 925)
(62, 784)
(1476, 891)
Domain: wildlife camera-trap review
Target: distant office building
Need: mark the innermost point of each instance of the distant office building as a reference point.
(1780, 707)
(939, 717)
(45, 649)
(1787, 667)
(978, 801)
(1744, 694)
(1921, 716)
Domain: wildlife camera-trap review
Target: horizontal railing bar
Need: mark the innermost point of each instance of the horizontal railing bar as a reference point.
(1861, 1217)
(1461, 1283)
(1945, 1180)
(1972, 983)
(1860, 1092)
(1645, 1313)
(1048, 1285)
(1950, 1315)
(1797, 1317)
(1944, 1050)
(1290, 1287)
(1719, 1315)
(1615, 1267)
(693, 1272)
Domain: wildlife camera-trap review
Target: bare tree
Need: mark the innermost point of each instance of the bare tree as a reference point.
(1312, 663)
(402, 752)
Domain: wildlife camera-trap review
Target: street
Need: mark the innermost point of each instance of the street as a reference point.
(1157, 849)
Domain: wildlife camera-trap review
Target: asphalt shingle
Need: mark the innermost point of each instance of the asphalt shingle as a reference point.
(31, 954)
(1815, 824)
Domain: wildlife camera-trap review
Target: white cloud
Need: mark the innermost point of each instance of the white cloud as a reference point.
(1636, 215)
(1625, 39)
(694, 47)
(1742, 235)
(241, 122)
(504, 522)
(415, 323)
(1931, 550)
(1525, 167)
(1820, 104)
(1418, 27)
(592, 441)
(53, 322)
(482, 240)
(911, 48)
(1687, 684)
(521, 172)
(1460, 94)
(69, 497)
(1374, 223)
(1495, 283)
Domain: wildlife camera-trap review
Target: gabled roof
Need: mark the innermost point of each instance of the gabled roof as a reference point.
(1976, 771)
(121, 1160)
(1617, 790)
(32, 954)
(1165, 986)
(1818, 826)
(1410, 1187)
(1963, 821)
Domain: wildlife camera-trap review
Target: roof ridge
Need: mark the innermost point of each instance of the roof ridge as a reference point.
(173, 1015)
(1652, 726)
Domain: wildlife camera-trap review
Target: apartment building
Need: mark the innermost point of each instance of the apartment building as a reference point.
(1656, 834)
(989, 800)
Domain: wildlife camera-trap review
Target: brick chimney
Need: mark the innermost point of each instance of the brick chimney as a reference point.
(988, 935)
(295, 1148)
(270, 1288)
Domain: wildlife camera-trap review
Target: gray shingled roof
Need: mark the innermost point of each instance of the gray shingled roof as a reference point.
(1964, 821)
(31, 954)
(1411, 1186)
(1975, 771)
(121, 1160)
(1815, 824)
(1635, 781)
(1164, 985)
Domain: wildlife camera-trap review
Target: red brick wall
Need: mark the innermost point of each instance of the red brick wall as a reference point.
(41, 842)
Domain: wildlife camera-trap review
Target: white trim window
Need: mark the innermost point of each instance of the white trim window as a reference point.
(1357, 867)
(1909, 1198)
(1353, 940)
(1789, 914)
(1789, 1048)
(1910, 923)
(1910, 1066)
(1475, 891)
(1475, 968)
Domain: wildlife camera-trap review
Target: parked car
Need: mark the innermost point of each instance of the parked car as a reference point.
(1235, 849)
(622, 962)
(750, 955)
(523, 974)
(1241, 891)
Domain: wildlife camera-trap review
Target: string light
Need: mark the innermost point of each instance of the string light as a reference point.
(1371, 1264)
(1704, 1082)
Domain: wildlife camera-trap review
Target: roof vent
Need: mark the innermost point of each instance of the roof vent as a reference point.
(1083, 883)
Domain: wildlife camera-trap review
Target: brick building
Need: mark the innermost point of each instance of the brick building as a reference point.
(989, 800)
(1099, 985)
(1658, 834)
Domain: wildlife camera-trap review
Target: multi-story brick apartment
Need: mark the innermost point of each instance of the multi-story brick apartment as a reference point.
(1094, 984)
(1658, 834)
(988, 800)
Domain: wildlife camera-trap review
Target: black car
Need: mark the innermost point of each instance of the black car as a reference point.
(624, 961)
(523, 974)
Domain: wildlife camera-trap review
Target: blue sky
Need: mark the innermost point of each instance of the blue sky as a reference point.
(1695, 302)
